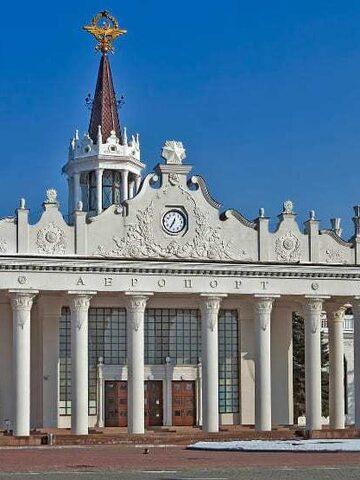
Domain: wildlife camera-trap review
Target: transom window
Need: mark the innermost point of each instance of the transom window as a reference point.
(173, 333)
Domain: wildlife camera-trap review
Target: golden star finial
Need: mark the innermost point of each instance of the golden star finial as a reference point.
(105, 28)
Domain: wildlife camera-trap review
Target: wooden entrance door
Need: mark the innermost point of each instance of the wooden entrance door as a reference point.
(116, 404)
(153, 403)
(183, 403)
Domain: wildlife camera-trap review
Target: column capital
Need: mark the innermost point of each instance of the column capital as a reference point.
(335, 312)
(136, 301)
(314, 304)
(22, 299)
(211, 303)
(80, 300)
(264, 303)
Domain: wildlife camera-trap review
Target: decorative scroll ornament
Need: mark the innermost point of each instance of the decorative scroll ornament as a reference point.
(105, 28)
(3, 245)
(173, 152)
(140, 240)
(288, 248)
(51, 240)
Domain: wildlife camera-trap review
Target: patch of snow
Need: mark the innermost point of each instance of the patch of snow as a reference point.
(352, 445)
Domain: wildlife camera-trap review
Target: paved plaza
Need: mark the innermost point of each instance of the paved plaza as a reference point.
(130, 462)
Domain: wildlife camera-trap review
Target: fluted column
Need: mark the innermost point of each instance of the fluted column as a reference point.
(313, 362)
(210, 306)
(99, 176)
(335, 322)
(124, 185)
(79, 307)
(135, 359)
(21, 303)
(263, 307)
(356, 312)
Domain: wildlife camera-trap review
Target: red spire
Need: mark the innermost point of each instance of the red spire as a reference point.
(104, 110)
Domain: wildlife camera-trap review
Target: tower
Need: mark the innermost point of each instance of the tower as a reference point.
(104, 166)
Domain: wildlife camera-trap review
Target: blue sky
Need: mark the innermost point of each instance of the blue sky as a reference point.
(264, 95)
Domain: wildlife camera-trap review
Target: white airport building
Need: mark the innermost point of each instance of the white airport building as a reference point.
(150, 306)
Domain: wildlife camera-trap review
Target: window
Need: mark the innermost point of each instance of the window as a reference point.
(110, 188)
(107, 339)
(84, 185)
(92, 191)
(173, 333)
(228, 362)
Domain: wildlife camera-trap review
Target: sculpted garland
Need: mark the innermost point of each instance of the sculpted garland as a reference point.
(139, 241)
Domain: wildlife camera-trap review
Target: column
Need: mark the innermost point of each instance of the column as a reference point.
(135, 359)
(263, 307)
(131, 186)
(79, 307)
(77, 189)
(137, 183)
(356, 313)
(210, 306)
(124, 185)
(98, 177)
(313, 313)
(335, 322)
(21, 303)
(169, 369)
(100, 391)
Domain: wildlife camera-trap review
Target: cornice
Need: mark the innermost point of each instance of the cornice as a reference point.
(263, 270)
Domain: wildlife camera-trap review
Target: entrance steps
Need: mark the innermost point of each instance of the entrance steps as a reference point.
(169, 436)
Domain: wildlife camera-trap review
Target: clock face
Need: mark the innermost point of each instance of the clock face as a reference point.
(174, 221)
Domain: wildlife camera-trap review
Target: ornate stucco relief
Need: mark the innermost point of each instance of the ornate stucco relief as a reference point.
(140, 240)
(3, 245)
(287, 248)
(51, 240)
(333, 255)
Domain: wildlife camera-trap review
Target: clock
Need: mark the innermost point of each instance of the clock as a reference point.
(174, 222)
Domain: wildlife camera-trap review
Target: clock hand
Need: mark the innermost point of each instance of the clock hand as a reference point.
(172, 224)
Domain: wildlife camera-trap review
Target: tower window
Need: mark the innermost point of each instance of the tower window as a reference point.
(92, 191)
(110, 188)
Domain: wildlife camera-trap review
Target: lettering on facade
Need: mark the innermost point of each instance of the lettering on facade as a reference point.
(213, 283)
(238, 284)
(22, 279)
(264, 284)
(162, 282)
(108, 281)
(80, 281)
(188, 283)
(134, 282)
